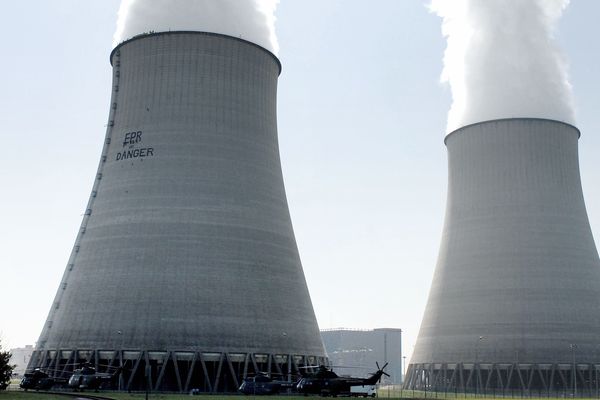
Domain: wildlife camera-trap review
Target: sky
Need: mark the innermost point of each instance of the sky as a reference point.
(361, 116)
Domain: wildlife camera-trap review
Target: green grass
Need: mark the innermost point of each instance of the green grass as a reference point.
(382, 394)
(18, 395)
(137, 396)
(158, 396)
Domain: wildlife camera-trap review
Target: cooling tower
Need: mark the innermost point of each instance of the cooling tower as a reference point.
(186, 270)
(515, 299)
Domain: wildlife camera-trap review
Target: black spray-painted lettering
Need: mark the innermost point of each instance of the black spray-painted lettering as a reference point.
(135, 153)
(132, 138)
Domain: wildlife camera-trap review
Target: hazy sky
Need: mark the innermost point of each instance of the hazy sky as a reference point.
(362, 117)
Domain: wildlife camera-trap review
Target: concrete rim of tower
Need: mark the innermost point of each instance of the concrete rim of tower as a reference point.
(145, 35)
(511, 119)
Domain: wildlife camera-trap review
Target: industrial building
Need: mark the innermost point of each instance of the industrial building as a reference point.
(361, 349)
(515, 298)
(185, 271)
(19, 357)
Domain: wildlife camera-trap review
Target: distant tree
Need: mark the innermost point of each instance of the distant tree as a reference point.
(6, 368)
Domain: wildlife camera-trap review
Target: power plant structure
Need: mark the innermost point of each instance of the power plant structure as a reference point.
(185, 271)
(515, 298)
(363, 349)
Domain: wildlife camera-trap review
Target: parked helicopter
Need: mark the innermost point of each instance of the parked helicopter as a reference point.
(39, 380)
(325, 382)
(262, 384)
(86, 377)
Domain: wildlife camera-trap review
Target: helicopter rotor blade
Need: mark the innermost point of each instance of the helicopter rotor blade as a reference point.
(382, 368)
(110, 366)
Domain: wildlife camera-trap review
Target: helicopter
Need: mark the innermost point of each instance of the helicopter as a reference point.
(86, 377)
(262, 384)
(39, 380)
(325, 382)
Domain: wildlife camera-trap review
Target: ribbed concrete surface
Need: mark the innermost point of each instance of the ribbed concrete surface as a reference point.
(518, 275)
(189, 243)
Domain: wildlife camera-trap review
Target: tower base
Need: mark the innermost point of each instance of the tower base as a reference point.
(554, 380)
(174, 371)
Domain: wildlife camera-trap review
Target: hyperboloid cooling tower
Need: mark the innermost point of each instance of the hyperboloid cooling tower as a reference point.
(186, 270)
(515, 299)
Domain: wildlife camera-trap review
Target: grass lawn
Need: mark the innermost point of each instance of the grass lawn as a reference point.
(18, 395)
(125, 396)
(10, 395)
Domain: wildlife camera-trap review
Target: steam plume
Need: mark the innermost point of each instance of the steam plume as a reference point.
(502, 60)
(252, 20)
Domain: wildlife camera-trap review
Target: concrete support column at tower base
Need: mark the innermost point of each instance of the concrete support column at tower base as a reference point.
(174, 371)
(542, 380)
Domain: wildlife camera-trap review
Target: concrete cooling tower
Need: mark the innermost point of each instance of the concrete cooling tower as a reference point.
(185, 271)
(515, 299)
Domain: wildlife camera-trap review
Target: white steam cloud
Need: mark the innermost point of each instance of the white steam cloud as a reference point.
(502, 60)
(252, 20)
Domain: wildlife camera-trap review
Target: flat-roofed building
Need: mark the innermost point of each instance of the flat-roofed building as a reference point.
(20, 357)
(361, 349)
